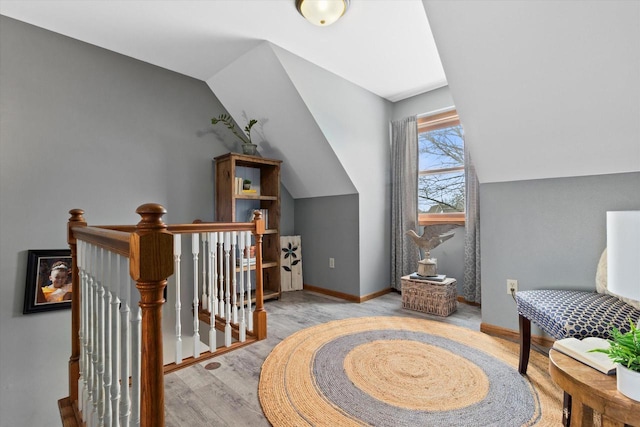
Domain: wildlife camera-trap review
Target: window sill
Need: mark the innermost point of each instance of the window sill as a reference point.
(434, 219)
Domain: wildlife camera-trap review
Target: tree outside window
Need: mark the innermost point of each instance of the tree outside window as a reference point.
(441, 169)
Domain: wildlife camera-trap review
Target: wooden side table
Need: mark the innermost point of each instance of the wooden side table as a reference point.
(587, 390)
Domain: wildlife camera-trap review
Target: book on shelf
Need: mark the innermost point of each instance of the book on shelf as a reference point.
(249, 191)
(436, 278)
(581, 351)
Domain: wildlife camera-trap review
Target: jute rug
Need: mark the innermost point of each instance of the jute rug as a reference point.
(396, 371)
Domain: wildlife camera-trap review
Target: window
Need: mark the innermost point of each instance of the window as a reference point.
(441, 169)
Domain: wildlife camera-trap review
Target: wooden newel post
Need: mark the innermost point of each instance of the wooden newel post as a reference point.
(151, 263)
(76, 220)
(259, 314)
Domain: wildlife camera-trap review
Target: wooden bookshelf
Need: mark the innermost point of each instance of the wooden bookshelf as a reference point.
(234, 206)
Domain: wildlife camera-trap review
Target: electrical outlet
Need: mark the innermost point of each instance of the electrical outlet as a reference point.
(332, 263)
(512, 286)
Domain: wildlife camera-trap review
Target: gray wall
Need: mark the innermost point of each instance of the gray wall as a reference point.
(547, 234)
(450, 256)
(287, 218)
(355, 125)
(321, 230)
(329, 229)
(83, 127)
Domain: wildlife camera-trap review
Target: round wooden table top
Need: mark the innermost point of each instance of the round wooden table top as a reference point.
(592, 388)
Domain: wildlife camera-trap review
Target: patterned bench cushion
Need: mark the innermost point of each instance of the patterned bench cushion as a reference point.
(578, 314)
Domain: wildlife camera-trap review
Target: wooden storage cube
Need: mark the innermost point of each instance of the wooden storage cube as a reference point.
(439, 298)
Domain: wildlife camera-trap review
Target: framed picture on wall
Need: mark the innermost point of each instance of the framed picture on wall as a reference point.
(48, 286)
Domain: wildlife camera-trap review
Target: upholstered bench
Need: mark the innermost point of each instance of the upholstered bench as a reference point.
(564, 314)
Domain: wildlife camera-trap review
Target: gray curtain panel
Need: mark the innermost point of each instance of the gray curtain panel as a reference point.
(471, 286)
(404, 195)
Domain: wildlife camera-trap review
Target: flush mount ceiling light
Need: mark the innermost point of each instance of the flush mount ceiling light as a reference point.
(322, 12)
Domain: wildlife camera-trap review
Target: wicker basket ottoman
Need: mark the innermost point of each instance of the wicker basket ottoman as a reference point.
(437, 298)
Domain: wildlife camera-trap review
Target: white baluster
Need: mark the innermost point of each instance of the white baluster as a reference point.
(107, 339)
(115, 340)
(234, 297)
(213, 241)
(247, 243)
(221, 311)
(177, 253)
(93, 313)
(213, 261)
(243, 326)
(205, 299)
(195, 249)
(227, 290)
(125, 342)
(101, 338)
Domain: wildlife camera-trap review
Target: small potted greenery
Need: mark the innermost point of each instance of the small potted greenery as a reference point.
(624, 350)
(247, 146)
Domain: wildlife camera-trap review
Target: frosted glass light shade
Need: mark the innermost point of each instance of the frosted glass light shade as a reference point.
(322, 12)
(623, 253)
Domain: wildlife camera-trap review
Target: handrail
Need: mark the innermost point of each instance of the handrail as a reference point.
(114, 241)
(196, 227)
(149, 247)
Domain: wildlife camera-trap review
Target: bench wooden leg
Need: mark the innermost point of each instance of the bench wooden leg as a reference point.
(525, 344)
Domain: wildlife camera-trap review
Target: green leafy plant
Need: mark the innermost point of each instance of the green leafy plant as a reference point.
(624, 347)
(228, 122)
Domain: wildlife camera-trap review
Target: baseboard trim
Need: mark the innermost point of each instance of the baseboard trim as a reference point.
(375, 295)
(512, 335)
(466, 301)
(346, 297)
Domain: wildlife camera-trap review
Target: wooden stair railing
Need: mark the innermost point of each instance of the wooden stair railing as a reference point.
(148, 250)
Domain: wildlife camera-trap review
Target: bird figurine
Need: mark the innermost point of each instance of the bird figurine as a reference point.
(432, 236)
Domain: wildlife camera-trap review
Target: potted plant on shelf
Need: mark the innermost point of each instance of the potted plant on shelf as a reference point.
(624, 350)
(247, 146)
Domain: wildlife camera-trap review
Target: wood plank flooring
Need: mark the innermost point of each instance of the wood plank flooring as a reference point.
(228, 395)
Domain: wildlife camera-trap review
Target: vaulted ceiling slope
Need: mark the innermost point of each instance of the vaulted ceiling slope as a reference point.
(374, 40)
(257, 86)
(546, 88)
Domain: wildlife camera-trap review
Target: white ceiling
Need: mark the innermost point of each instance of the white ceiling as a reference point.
(384, 46)
(544, 88)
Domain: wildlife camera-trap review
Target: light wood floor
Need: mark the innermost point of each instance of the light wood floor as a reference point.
(228, 395)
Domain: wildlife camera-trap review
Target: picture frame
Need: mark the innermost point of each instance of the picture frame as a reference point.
(41, 293)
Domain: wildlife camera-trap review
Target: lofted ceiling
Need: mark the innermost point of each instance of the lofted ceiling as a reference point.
(372, 41)
(544, 88)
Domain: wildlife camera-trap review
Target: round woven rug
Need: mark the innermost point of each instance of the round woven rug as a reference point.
(397, 371)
